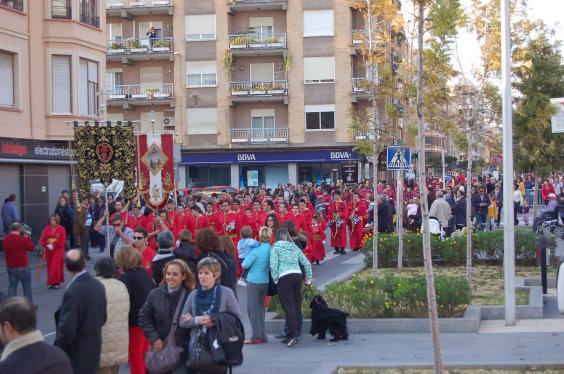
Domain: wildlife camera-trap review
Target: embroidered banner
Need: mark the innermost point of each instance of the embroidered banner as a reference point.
(155, 162)
(105, 153)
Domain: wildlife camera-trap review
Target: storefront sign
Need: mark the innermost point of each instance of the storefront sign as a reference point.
(272, 157)
(35, 149)
(349, 171)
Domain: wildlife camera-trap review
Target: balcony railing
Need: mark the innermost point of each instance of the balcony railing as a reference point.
(113, 4)
(235, 2)
(63, 12)
(259, 88)
(132, 92)
(90, 19)
(14, 4)
(130, 46)
(360, 85)
(358, 36)
(259, 136)
(257, 41)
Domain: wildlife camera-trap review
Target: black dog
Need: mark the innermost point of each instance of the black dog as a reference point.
(324, 318)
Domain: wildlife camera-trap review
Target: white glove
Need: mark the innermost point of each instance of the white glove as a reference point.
(324, 242)
(177, 243)
(50, 247)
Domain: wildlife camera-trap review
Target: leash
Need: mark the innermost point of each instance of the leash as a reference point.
(39, 267)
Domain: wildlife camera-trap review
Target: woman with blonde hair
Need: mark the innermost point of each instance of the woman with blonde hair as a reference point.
(139, 284)
(155, 315)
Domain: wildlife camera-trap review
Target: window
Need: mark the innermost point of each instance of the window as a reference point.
(61, 9)
(320, 117)
(262, 72)
(88, 86)
(262, 123)
(201, 27)
(114, 83)
(89, 12)
(319, 69)
(201, 73)
(202, 121)
(114, 31)
(61, 84)
(318, 23)
(14, 4)
(261, 25)
(7, 79)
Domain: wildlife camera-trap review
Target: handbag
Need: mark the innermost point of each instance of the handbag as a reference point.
(272, 287)
(169, 357)
(200, 358)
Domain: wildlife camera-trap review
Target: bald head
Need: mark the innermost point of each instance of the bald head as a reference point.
(75, 261)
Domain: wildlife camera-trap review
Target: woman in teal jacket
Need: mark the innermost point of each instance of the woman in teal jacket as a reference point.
(258, 263)
(285, 261)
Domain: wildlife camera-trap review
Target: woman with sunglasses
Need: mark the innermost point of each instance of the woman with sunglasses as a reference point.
(155, 317)
(210, 297)
(53, 240)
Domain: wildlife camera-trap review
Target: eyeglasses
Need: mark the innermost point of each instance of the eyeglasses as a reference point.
(138, 237)
(117, 224)
(211, 260)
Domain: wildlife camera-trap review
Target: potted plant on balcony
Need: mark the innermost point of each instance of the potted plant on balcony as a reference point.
(117, 47)
(358, 37)
(161, 45)
(238, 42)
(136, 47)
(239, 89)
(274, 41)
(255, 41)
(359, 85)
(277, 88)
(259, 88)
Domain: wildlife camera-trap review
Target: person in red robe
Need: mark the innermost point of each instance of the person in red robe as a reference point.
(53, 240)
(301, 222)
(136, 219)
(358, 209)
(249, 220)
(338, 211)
(159, 224)
(317, 237)
(326, 201)
(210, 215)
(285, 214)
(200, 220)
(227, 222)
(306, 211)
(118, 205)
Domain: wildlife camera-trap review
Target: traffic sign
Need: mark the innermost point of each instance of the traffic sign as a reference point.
(399, 158)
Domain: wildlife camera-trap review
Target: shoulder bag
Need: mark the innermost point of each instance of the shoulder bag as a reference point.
(169, 357)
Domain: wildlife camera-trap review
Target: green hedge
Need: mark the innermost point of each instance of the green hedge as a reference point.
(397, 296)
(487, 247)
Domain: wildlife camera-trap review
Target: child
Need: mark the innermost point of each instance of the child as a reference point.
(526, 211)
(492, 212)
(411, 210)
(243, 248)
(317, 237)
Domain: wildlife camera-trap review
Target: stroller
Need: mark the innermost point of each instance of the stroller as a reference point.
(435, 227)
(546, 224)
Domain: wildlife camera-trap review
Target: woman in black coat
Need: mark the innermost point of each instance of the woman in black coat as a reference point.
(155, 317)
(66, 213)
(208, 243)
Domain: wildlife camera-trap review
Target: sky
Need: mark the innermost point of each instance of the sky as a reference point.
(550, 11)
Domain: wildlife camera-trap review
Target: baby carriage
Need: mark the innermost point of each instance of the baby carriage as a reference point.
(435, 227)
(547, 223)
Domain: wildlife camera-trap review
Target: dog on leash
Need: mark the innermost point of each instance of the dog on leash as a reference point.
(324, 318)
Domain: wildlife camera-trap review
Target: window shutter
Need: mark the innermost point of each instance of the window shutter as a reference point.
(262, 72)
(7, 79)
(202, 121)
(83, 87)
(61, 84)
(318, 23)
(92, 71)
(319, 69)
(200, 27)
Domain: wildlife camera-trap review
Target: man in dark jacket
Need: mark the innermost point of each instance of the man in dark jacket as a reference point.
(81, 316)
(481, 202)
(165, 253)
(383, 214)
(25, 351)
(459, 210)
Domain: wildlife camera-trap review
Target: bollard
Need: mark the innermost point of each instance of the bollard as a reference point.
(543, 242)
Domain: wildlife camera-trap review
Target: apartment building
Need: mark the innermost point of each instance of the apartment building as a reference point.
(52, 54)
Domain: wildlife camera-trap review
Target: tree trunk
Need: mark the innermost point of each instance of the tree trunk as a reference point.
(375, 183)
(431, 296)
(399, 218)
(469, 211)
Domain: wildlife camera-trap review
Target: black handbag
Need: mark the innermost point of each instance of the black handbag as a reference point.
(200, 359)
(169, 357)
(272, 287)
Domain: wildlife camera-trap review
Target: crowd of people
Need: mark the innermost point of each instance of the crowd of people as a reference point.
(191, 254)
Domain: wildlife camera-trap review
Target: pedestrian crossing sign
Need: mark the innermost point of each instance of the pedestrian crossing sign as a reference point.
(399, 158)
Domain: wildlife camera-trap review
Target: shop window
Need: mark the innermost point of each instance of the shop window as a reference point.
(61, 91)
(320, 117)
(200, 27)
(318, 23)
(7, 78)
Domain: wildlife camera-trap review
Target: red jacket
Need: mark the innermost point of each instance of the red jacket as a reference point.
(16, 247)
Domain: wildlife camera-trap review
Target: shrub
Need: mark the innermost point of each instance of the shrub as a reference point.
(487, 247)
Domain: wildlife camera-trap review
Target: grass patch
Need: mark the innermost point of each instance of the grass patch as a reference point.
(449, 371)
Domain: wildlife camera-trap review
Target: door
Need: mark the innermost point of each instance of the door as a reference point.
(262, 124)
(263, 72)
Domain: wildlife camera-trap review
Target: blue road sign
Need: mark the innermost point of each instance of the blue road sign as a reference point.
(399, 158)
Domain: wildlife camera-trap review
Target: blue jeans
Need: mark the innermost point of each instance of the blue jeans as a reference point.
(481, 220)
(16, 275)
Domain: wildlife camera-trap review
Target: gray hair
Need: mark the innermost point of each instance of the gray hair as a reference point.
(439, 194)
(105, 267)
(283, 234)
(165, 240)
(383, 197)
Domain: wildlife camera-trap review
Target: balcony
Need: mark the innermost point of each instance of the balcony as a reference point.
(141, 94)
(131, 8)
(14, 4)
(258, 91)
(61, 12)
(139, 49)
(257, 44)
(259, 136)
(90, 19)
(252, 5)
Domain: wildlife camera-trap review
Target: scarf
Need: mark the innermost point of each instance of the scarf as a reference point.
(21, 342)
(207, 301)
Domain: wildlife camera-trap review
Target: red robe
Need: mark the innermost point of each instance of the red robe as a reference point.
(200, 223)
(326, 200)
(147, 260)
(124, 218)
(135, 222)
(356, 231)
(57, 237)
(188, 223)
(251, 222)
(316, 238)
(288, 216)
(211, 221)
(228, 224)
(338, 234)
(301, 225)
